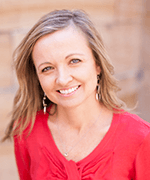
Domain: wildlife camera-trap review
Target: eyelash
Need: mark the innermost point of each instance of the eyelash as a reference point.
(78, 60)
(47, 68)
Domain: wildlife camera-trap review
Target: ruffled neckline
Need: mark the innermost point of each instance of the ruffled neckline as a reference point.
(96, 151)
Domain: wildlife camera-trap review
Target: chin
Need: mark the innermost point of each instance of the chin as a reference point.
(70, 104)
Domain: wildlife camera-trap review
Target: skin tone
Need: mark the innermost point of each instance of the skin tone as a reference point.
(68, 75)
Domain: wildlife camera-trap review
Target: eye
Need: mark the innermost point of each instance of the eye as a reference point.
(74, 61)
(47, 69)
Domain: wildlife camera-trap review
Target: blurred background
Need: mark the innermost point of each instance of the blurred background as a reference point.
(125, 28)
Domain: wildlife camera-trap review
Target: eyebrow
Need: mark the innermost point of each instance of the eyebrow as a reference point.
(44, 63)
(74, 54)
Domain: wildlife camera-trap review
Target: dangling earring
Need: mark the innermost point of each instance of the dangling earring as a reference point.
(44, 104)
(98, 96)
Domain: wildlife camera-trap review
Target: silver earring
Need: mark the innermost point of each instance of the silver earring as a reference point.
(44, 104)
(98, 95)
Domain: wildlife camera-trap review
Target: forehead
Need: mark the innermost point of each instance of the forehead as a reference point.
(70, 32)
(65, 40)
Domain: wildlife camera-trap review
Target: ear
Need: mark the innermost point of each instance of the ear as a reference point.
(98, 70)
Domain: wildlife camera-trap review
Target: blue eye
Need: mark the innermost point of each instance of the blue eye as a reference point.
(47, 68)
(74, 61)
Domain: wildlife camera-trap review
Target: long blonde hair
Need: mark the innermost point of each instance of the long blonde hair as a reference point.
(28, 99)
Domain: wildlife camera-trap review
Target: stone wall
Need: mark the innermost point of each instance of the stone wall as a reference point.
(124, 26)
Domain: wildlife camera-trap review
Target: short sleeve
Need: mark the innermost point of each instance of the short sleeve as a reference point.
(142, 166)
(22, 158)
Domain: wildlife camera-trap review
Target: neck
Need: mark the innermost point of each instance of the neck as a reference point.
(79, 117)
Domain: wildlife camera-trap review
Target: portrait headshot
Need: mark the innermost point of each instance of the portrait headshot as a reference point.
(77, 113)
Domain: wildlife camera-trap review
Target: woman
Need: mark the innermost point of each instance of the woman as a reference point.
(67, 122)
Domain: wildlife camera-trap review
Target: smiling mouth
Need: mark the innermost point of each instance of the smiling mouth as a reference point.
(68, 91)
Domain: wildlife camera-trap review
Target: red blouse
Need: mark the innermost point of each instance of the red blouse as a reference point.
(123, 154)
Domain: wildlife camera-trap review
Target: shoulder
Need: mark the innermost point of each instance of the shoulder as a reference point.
(40, 114)
(35, 125)
(133, 125)
(41, 117)
(133, 119)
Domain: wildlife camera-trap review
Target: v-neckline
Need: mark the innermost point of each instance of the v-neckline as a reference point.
(97, 150)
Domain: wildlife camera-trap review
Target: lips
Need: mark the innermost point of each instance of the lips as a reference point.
(68, 91)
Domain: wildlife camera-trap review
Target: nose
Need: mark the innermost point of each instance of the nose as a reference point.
(63, 77)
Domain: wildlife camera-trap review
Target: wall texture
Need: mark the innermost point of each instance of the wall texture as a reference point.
(125, 28)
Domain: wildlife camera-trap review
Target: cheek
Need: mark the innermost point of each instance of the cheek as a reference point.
(45, 82)
(89, 78)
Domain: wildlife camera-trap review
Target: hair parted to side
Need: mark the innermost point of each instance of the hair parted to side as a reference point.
(28, 99)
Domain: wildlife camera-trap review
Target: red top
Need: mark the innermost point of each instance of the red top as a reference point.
(123, 154)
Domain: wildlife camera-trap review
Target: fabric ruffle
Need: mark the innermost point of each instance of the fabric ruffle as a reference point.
(98, 168)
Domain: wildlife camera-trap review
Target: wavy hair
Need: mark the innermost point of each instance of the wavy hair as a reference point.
(28, 99)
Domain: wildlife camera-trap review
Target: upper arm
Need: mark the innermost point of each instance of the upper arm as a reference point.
(142, 164)
(22, 158)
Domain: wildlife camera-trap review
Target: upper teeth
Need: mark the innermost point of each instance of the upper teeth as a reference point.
(68, 90)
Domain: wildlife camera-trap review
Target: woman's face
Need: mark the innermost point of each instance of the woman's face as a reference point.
(66, 68)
